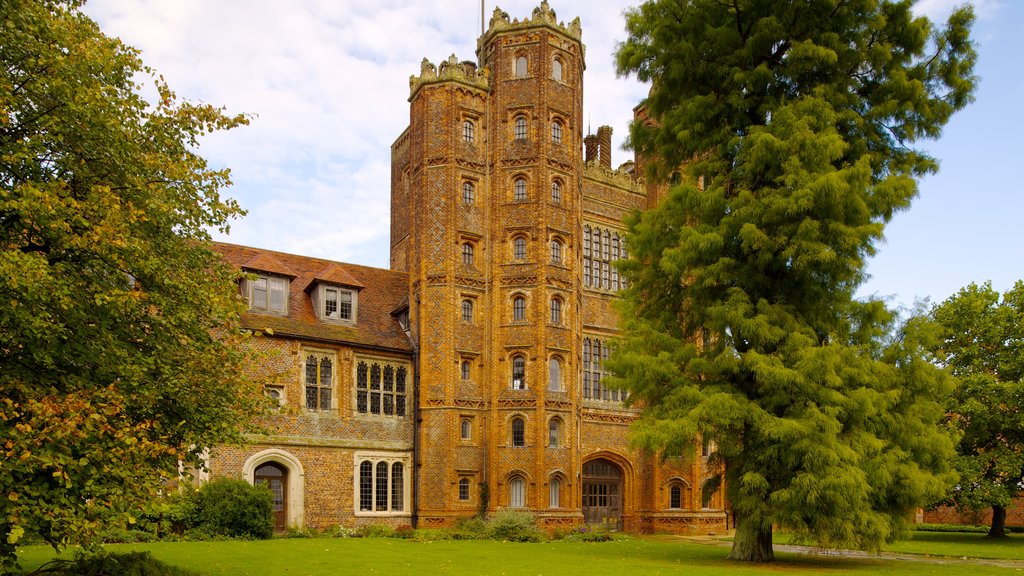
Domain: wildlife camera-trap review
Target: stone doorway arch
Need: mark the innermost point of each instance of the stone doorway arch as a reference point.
(603, 492)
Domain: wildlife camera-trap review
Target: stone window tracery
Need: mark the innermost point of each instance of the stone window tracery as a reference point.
(602, 247)
(319, 380)
(595, 352)
(381, 388)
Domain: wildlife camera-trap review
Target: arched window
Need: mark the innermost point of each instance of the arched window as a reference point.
(518, 309)
(521, 67)
(556, 251)
(520, 128)
(556, 69)
(556, 132)
(466, 429)
(517, 492)
(467, 310)
(518, 432)
(519, 190)
(555, 432)
(555, 375)
(556, 311)
(556, 192)
(397, 483)
(468, 193)
(464, 369)
(464, 489)
(519, 248)
(519, 373)
(467, 254)
(675, 496)
(554, 493)
(467, 131)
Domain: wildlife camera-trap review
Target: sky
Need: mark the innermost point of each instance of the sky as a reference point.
(326, 83)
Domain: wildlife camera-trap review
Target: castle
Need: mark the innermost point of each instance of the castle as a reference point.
(469, 377)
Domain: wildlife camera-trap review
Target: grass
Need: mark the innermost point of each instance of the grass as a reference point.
(961, 544)
(369, 556)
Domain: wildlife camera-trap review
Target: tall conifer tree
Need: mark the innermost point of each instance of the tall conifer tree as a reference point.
(784, 133)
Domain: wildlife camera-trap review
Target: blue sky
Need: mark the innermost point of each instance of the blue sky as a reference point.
(326, 83)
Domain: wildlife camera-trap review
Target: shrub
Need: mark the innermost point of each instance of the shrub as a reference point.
(233, 508)
(515, 526)
(128, 564)
(949, 528)
(470, 529)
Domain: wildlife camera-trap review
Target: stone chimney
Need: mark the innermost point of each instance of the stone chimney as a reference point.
(590, 148)
(604, 139)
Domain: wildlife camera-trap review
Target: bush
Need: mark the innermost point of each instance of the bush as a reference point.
(949, 528)
(470, 529)
(515, 526)
(586, 533)
(128, 564)
(232, 508)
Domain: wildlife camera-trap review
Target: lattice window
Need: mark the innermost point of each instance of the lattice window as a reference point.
(464, 489)
(382, 484)
(519, 128)
(319, 381)
(602, 247)
(518, 432)
(519, 190)
(381, 388)
(595, 353)
(519, 373)
(468, 193)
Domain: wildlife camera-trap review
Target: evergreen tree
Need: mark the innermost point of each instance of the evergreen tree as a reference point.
(118, 323)
(784, 133)
(983, 346)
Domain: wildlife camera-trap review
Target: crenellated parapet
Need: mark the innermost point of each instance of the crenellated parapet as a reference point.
(621, 177)
(542, 15)
(449, 70)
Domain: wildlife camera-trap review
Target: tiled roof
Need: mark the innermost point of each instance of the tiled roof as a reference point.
(383, 292)
(335, 274)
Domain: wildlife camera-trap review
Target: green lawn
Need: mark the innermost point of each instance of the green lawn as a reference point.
(368, 556)
(960, 544)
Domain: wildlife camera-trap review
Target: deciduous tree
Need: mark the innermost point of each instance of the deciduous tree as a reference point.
(118, 333)
(983, 345)
(784, 133)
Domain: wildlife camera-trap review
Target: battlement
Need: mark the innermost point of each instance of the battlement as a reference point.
(542, 15)
(449, 70)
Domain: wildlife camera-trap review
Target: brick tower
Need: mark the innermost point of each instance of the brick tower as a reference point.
(485, 217)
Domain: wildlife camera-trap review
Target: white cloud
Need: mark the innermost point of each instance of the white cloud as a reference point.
(327, 85)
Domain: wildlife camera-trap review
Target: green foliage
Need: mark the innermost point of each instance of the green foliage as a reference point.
(949, 528)
(514, 526)
(118, 323)
(791, 128)
(232, 508)
(470, 529)
(103, 564)
(983, 346)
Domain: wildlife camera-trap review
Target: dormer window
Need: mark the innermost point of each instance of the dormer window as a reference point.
(335, 303)
(268, 294)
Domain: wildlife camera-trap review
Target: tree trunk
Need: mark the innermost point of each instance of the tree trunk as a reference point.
(753, 541)
(998, 528)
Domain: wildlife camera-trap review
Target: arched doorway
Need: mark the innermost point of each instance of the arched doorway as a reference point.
(602, 493)
(275, 476)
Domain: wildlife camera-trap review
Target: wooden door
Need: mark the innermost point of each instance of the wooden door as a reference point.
(275, 477)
